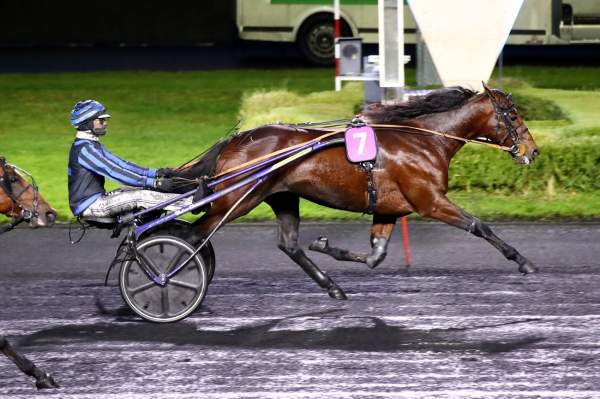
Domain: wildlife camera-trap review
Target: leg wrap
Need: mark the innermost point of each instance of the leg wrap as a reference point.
(308, 266)
(322, 245)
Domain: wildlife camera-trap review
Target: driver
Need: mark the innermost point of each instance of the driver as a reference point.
(90, 163)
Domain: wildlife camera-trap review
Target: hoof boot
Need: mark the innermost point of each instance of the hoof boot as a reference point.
(46, 382)
(336, 292)
(320, 244)
(371, 262)
(527, 268)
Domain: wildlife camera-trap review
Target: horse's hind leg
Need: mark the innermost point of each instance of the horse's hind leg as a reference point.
(381, 231)
(286, 208)
(444, 210)
(42, 379)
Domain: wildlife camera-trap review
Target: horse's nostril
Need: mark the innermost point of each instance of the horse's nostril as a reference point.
(535, 153)
(51, 217)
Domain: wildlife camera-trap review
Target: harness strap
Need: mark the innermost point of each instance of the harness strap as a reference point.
(449, 136)
(371, 190)
(317, 139)
(274, 153)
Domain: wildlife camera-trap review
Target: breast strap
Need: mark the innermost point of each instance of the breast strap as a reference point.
(371, 190)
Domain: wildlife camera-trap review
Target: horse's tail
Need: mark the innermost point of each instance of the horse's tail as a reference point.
(205, 163)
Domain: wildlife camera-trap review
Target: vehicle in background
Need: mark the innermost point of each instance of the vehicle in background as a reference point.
(309, 23)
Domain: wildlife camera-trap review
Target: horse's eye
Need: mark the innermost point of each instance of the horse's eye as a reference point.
(513, 118)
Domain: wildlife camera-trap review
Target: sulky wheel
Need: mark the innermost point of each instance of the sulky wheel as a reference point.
(180, 295)
(184, 230)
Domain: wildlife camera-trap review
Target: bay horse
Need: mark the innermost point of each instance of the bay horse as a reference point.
(410, 173)
(22, 201)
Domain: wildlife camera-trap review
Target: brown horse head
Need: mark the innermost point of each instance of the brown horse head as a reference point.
(506, 127)
(20, 198)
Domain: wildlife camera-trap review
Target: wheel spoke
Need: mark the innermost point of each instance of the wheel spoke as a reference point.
(142, 287)
(183, 284)
(165, 300)
(175, 261)
(155, 269)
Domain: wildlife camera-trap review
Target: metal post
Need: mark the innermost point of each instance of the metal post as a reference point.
(391, 49)
(338, 33)
(407, 257)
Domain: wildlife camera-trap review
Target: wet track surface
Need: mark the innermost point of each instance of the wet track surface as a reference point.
(462, 323)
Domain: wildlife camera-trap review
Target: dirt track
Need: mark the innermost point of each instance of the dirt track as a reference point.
(463, 323)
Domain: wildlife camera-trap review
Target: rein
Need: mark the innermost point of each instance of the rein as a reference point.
(396, 127)
(446, 135)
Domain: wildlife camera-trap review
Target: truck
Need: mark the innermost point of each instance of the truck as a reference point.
(309, 23)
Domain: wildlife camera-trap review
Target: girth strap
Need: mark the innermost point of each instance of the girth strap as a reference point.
(371, 190)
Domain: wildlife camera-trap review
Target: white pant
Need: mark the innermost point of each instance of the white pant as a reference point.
(127, 199)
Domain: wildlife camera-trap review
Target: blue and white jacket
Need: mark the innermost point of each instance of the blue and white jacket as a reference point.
(90, 163)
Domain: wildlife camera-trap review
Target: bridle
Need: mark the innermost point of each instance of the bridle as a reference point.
(507, 115)
(6, 184)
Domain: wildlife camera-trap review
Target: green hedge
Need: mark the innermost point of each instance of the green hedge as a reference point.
(570, 167)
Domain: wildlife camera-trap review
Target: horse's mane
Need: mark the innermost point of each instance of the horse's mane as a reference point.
(437, 101)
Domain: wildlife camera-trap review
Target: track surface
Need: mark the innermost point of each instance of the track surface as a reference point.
(464, 323)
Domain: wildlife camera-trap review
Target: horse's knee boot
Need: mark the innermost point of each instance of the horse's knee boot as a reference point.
(378, 252)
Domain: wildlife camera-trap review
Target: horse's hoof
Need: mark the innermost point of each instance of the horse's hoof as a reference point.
(46, 382)
(320, 244)
(336, 292)
(527, 268)
(372, 262)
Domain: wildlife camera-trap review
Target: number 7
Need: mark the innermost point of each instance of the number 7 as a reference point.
(362, 136)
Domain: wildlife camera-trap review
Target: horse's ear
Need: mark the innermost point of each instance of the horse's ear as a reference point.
(486, 88)
(2, 161)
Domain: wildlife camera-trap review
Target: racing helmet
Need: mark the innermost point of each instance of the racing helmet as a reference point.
(84, 113)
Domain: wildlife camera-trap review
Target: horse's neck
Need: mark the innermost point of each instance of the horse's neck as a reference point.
(464, 122)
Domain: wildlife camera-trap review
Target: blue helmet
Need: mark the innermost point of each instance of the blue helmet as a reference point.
(87, 110)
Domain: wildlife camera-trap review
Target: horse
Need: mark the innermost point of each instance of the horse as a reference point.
(416, 143)
(22, 201)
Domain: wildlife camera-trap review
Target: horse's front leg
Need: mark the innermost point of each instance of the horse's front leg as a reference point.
(381, 231)
(42, 379)
(444, 210)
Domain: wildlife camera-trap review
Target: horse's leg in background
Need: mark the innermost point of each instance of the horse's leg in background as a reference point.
(381, 231)
(42, 379)
(287, 210)
(444, 210)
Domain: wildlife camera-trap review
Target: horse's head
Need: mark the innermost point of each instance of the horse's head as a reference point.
(506, 127)
(20, 198)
